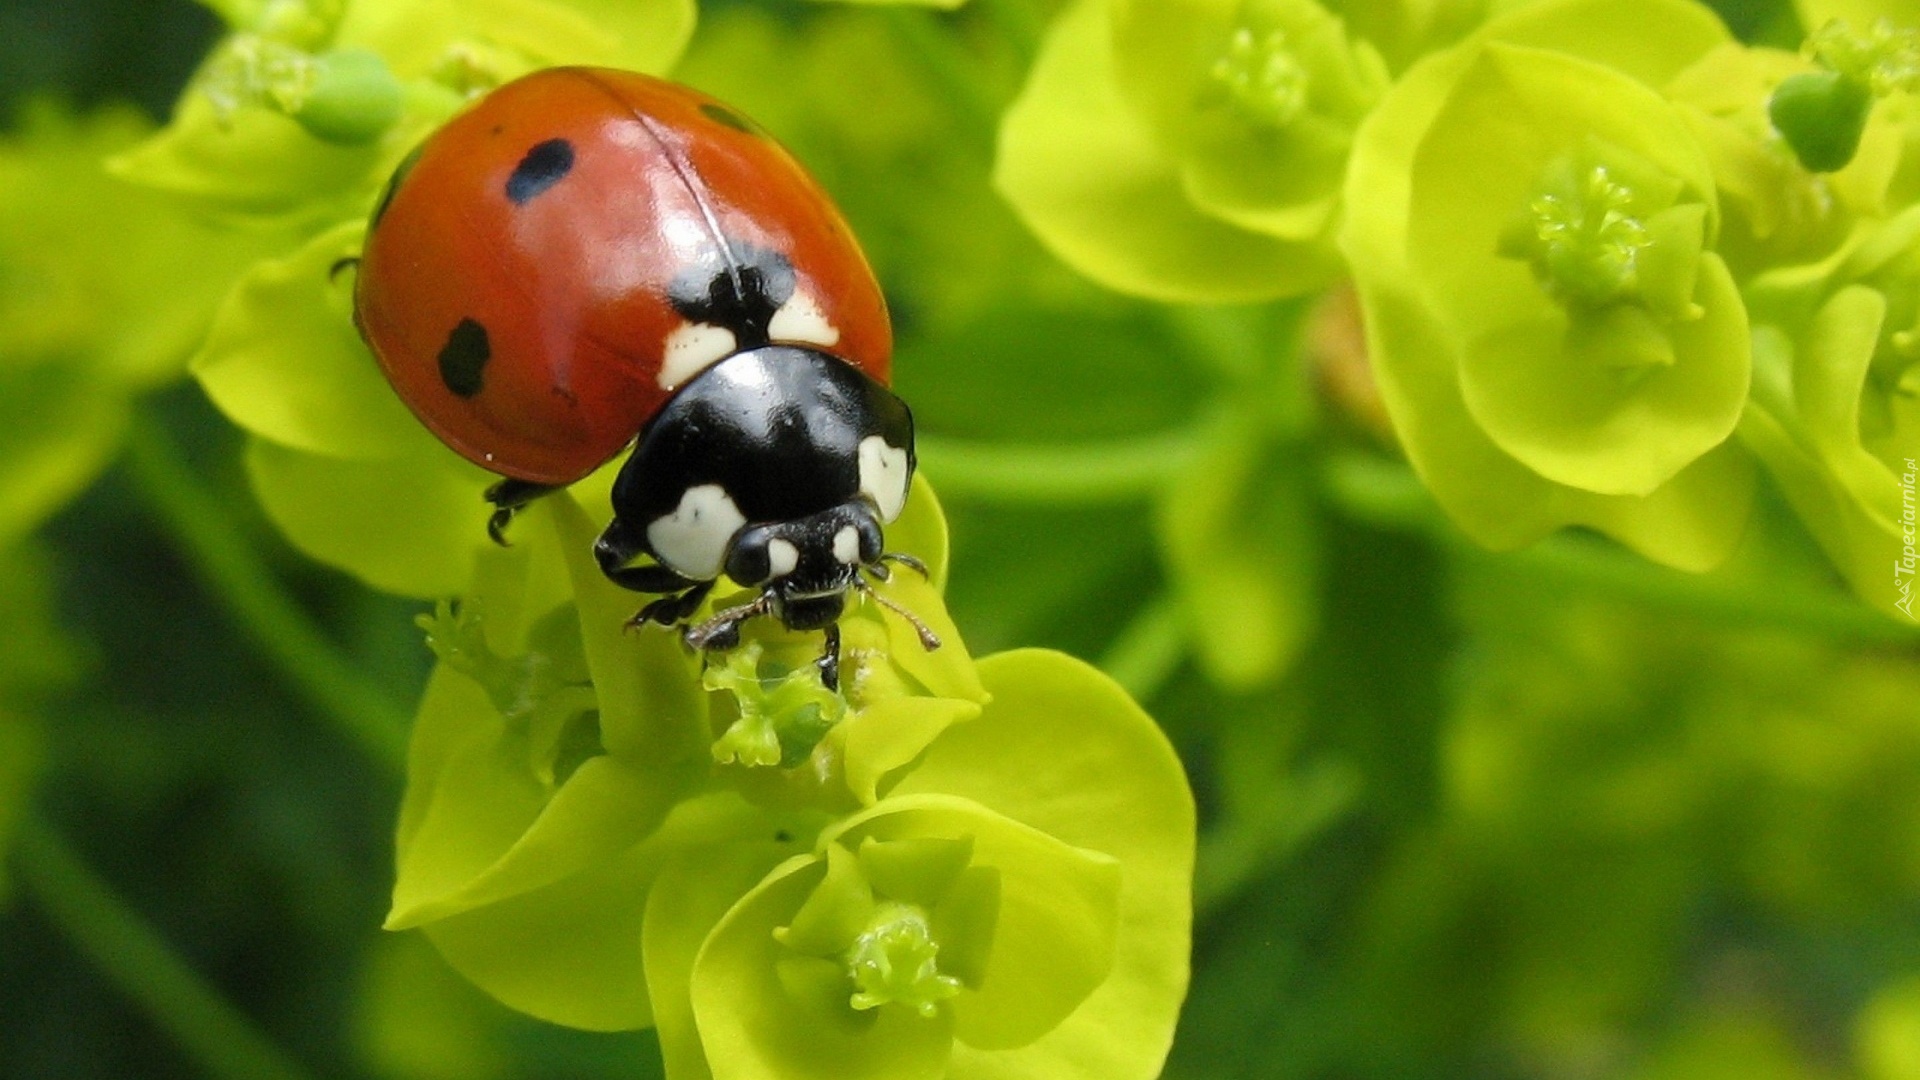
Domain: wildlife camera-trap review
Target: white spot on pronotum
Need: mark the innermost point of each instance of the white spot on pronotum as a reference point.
(800, 319)
(846, 545)
(690, 349)
(692, 541)
(883, 476)
(782, 557)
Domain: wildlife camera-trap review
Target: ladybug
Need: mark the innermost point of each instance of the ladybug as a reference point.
(587, 259)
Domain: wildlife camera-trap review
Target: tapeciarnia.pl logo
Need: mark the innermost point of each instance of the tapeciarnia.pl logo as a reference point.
(1904, 565)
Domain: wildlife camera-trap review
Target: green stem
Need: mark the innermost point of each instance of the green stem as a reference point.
(211, 538)
(1148, 649)
(1080, 474)
(138, 960)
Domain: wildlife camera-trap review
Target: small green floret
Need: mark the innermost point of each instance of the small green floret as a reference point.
(1260, 79)
(1822, 114)
(895, 960)
(1603, 227)
(1884, 57)
(784, 713)
(354, 98)
(1587, 242)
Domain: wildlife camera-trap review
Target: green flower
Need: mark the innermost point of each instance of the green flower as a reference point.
(1017, 906)
(1822, 114)
(939, 865)
(1836, 404)
(552, 741)
(1531, 231)
(336, 459)
(305, 106)
(1774, 210)
(1190, 150)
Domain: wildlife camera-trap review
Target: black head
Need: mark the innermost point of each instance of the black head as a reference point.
(779, 466)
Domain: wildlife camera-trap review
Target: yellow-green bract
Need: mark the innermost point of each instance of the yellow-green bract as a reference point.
(1531, 233)
(972, 873)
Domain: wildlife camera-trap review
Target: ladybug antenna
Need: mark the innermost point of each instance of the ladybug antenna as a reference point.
(928, 639)
(722, 631)
(351, 262)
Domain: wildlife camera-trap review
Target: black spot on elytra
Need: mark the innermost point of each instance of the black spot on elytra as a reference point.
(726, 117)
(463, 359)
(544, 166)
(399, 177)
(742, 295)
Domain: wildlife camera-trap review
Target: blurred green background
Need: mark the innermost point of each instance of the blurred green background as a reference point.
(1554, 815)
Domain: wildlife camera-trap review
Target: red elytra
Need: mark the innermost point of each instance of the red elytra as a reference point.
(568, 278)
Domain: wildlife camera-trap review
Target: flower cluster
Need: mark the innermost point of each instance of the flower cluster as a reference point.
(942, 870)
(938, 869)
(1608, 258)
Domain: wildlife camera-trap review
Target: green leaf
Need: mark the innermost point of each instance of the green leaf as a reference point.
(1089, 179)
(652, 709)
(1062, 749)
(284, 362)
(568, 952)
(409, 527)
(835, 912)
(945, 672)
(252, 160)
(695, 890)
(1054, 935)
(481, 823)
(887, 736)
(576, 951)
(413, 1017)
(255, 163)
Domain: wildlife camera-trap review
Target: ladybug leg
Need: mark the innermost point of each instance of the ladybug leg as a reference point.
(507, 497)
(669, 610)
(829, 662)
(619, 545)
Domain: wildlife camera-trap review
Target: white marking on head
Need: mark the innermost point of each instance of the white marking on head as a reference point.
(782, 557)
(800, 319)
(846, 545)
(691, 349)
(883, 476)
(692, 541)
